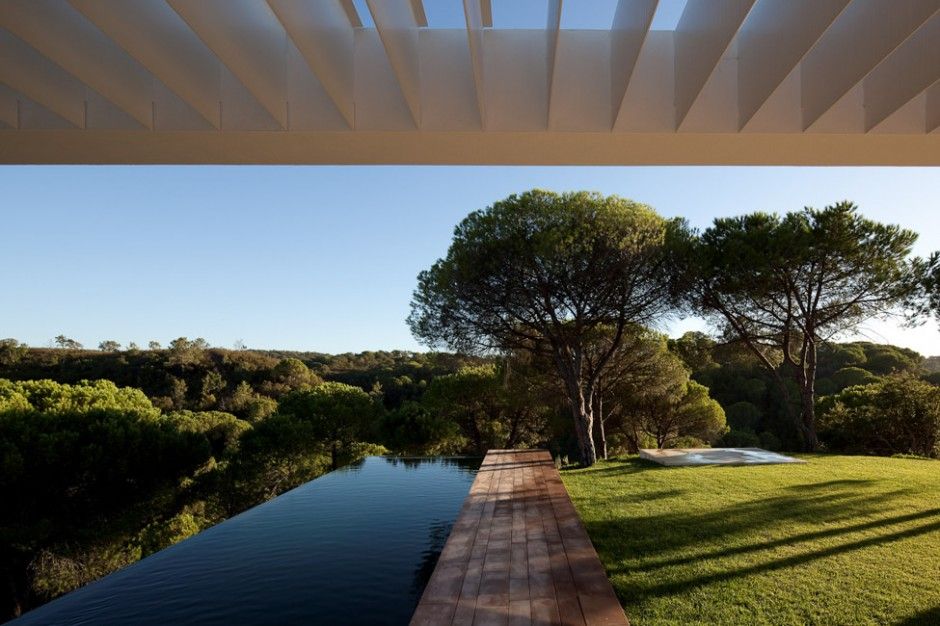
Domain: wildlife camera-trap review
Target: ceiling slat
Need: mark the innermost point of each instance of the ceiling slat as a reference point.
(9, 108)
(631, 24)
(65, 37)
(351, 13)
(933, 108)
(325, 38)
(776, 35)
(552, 31)
(247, 37)
(159, 40)
(475, 23)
(23, 69)
(859, 39)
(486, 11)
(398, 29)
(421, 18)
(704, 32)
(905, 74)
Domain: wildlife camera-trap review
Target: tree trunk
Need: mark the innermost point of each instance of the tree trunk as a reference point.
(514, 420)
(584, 424)
(788, 402)
(633, 440)
(581, 399)
(15, 598)
(477, 435)
(601, 442)
(583, 415)
(808, 400)
(334, 453)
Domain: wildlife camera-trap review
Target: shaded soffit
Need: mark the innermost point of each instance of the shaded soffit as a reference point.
(406, 81)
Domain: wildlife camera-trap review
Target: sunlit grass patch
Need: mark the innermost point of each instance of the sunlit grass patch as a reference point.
(839, 540)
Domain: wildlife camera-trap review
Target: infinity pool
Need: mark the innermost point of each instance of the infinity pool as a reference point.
(356, 546)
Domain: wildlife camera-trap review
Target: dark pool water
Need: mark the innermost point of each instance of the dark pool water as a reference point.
(356, 546)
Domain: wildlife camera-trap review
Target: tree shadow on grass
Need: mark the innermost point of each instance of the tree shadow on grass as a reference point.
(630, 465)
(795, 539)
(930, 617)
(832, 484)
(648, 544)
(681, 586)
(677, 529)
(632, 498)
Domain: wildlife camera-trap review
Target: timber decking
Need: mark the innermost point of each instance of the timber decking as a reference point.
(518, 554)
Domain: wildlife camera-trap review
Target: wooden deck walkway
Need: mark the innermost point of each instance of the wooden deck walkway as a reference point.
(518, 554)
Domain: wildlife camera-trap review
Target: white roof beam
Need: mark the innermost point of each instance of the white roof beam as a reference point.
(486, 10)
(631, 24)
(247, 37)
(776, 35)
(65, 37)
(9, 107)
(552, 30)
(351, 13)
(326, 39)
(933, 108)
(158, 39)
(398, 29)
(864, 34)
(26, 71)
(473, 12)
(905, 74)
(421, 18)
(704, 32)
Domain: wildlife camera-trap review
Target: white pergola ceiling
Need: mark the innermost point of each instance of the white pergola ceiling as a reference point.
(303, 81)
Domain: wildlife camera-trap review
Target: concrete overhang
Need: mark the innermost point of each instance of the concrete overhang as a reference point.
(801, 82)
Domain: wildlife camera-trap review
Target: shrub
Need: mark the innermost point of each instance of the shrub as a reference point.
(743, 416)
(688, 442)
(933, 378)
(825, 387)
(740, 439)
(891, 359)
(852, 377)
(414, 429)
(770, 441)
(898, 415)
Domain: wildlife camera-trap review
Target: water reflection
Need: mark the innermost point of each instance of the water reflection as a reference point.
(437, 537)
(468, 464)
(356, 546)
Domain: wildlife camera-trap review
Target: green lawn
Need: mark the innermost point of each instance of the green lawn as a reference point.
(840, 540)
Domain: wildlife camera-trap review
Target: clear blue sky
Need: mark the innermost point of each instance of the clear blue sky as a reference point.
(325, 258)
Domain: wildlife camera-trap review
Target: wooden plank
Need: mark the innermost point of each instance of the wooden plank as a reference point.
(518, 554)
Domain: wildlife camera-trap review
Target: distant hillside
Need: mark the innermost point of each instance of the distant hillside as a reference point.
(188, 375)
(755, 405)
(932, 364)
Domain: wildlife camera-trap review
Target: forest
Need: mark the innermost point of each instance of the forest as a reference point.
(114, 454)
(542, 323)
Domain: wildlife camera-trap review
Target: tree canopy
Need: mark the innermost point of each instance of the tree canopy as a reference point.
(783, 285)
(339, 414)
(646, 398)
(540, 271)
(492, 407)
(897, 415)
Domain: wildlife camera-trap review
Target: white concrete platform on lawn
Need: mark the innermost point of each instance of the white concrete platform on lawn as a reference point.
(715, 456)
